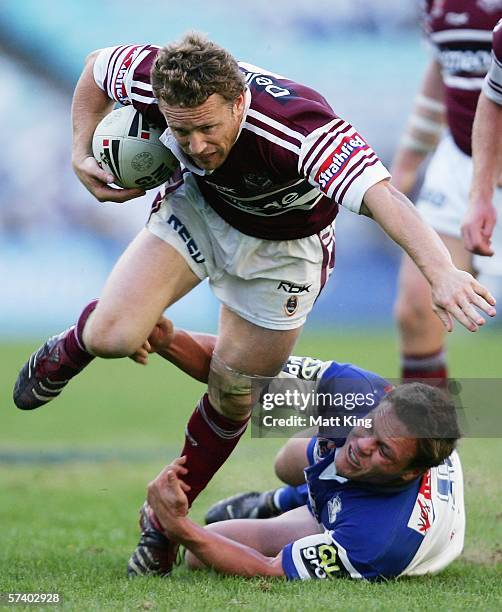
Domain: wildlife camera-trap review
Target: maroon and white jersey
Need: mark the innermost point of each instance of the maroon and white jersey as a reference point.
(293, 163)
(461, 33)
(492, 86)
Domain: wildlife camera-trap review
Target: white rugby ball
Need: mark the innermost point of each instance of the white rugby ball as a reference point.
(127, 145)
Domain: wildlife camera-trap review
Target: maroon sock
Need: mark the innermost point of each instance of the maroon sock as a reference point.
(209, 440)
(73, 343)
(430, 369)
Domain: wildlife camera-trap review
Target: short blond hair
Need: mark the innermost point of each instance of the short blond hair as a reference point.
(187, 72)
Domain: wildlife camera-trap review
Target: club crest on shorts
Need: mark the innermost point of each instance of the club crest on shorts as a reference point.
(291, 305)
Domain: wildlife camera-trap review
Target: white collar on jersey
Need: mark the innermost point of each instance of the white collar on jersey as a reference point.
(330, 472)
(247, 104)
(168, 140)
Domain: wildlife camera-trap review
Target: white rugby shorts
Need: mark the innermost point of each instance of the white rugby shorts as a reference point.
(444, 198)
(271, 283)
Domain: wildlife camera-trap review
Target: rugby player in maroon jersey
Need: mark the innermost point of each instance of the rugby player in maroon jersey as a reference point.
(459, 32)
(481, 216)
(265, 162)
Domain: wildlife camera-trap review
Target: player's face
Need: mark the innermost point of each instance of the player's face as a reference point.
(379, 455)
(207, 132)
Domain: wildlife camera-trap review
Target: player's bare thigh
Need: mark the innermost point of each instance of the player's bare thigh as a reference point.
(268, 536)
(251, 349)
(291, 460)
(149, 276)
(421, 330)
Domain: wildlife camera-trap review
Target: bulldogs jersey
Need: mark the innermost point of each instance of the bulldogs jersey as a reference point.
(461, 34)
(374, 532)
(293, 163)
(492, 86)
(371, 532)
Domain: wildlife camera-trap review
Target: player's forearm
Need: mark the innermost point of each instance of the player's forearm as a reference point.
(90, 104)
(486, 150)
(422, 131)
(191, 352)
(221, 553)
(397, 216)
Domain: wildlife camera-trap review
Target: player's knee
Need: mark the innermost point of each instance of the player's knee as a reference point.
(232, 393)
(110, 339)
(231, 404)
(291, 460)
(412, 312)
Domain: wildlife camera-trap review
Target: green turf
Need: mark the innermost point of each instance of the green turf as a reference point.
(73, 474)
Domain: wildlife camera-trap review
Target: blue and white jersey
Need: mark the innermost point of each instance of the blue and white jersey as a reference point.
(375, 532)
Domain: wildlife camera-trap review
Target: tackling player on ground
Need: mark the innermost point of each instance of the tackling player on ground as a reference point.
(265, 163)
(379, 504)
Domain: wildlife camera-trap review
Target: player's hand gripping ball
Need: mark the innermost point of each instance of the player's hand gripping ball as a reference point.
(128, 146)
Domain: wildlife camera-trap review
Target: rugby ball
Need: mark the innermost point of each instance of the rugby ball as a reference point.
(127, 145)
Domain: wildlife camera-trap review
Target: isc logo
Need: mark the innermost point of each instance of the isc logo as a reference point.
(304, 368)
(321, 560)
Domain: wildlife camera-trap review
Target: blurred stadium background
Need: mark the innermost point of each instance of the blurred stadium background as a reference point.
(82, 463)
(57, 243)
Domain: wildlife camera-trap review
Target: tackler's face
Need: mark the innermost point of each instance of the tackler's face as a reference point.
(206, 133)
(379, 454)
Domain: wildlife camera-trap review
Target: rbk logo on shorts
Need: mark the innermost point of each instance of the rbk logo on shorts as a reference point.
(184, 234)
(293, 287)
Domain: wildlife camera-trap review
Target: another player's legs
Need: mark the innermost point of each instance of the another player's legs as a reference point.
(421, 332)
(251, 505)
(244, 357)
(254, 505)
(148, 277)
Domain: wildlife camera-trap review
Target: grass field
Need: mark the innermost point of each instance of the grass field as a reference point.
(73, 474)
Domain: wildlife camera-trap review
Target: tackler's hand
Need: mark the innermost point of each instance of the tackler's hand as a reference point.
(159, 339)
(166, 495)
